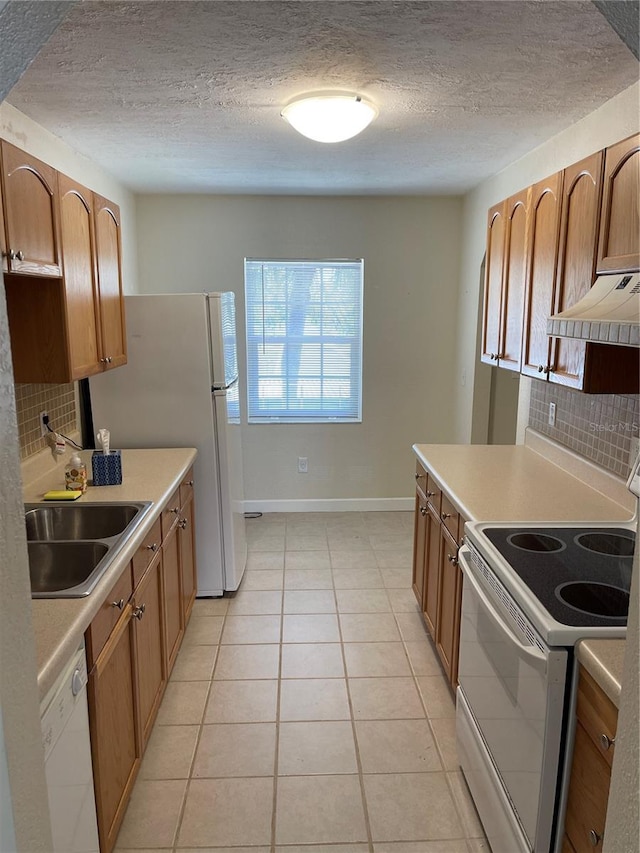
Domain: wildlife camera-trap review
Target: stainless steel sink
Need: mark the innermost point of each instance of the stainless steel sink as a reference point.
(72, 546)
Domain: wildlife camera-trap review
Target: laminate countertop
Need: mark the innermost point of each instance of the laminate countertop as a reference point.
(59, 624)
(604, 660)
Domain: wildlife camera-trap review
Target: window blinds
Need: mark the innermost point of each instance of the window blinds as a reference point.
(304, 340)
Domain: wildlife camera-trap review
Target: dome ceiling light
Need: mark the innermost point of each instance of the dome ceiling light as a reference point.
(329, 116)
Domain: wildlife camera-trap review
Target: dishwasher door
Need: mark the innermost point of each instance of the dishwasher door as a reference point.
(67, 747)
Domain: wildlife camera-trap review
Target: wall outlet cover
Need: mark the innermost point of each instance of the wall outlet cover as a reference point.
(303, 465)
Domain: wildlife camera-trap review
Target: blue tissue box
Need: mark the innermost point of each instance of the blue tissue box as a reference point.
(107, 469)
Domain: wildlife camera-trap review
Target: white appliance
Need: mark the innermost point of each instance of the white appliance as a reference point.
(67, 750)
(179, 388)
(530, 592)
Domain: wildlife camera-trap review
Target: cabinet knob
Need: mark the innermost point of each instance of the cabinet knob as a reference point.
(139, 611)
(492, 355)
(189, 483)
(20, 256)
(182, 524)
(606, 742)
(103, 361)
(452, 559)
(423, 510)
(153, 547)
(445, 515)
(175, 510)
(419, 476)
(594, 838)
(430, 494)
(119, 604)
(540, 368)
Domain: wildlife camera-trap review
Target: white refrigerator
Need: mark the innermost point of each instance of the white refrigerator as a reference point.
(179, 388)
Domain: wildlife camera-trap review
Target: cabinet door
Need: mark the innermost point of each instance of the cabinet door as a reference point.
(449, 600)
(513, 281)
(431, 571)
(149, 647)
(77, 243)
(188, 571)
(111, 303)
(31, 213)
(115, 748)
(580, 216)
(419, 546)
(172, 595)
(619, 246)
(493, 283)
(588, 794)
(542, 254)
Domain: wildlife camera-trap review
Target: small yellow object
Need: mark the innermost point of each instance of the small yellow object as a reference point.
(63, 495)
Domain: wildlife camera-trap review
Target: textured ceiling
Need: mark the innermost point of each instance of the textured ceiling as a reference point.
(185, 96)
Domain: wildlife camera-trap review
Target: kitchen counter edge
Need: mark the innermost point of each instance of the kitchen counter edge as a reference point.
(604, 661)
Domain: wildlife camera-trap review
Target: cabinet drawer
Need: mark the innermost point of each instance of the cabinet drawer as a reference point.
(107, 617)
(186, 487)
(421, 480)
(143, 556)
(449, 516)
(598, 715)
(434, 494)
(171, 513)
(588, 794)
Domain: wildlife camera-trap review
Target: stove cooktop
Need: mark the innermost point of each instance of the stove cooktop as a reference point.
(580, 576)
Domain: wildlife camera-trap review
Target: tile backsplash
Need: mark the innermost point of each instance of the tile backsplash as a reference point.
(597, 426)
(59, 401)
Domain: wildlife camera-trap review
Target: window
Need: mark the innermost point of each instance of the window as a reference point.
(304, 341)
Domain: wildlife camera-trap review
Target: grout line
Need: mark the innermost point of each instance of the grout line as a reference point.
(274, 809)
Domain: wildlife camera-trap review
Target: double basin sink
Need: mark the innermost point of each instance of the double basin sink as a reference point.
(72, 545)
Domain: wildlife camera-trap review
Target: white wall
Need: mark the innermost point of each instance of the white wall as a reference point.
(410, 247)
(615, 120)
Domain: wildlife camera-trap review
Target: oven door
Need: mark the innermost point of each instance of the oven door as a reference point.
(514, 688)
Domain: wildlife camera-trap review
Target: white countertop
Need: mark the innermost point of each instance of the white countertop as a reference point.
(147, 475)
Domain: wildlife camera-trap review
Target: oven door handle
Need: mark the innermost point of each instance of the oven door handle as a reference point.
(526, 651)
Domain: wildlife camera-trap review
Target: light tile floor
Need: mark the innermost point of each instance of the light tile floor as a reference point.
(308, 709)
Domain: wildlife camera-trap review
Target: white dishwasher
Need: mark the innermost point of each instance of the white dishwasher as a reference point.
(67, 749)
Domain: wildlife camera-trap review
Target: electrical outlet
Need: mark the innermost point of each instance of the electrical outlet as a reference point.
(303, 465)
(552, 414)
(43, 427)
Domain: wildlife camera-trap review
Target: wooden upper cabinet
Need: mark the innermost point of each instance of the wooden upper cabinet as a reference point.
(493, 283)
(31, 245)
(579, 222)
(542, 253)
(111, 302)
(619, 246)
(77, 240)
(513, 281)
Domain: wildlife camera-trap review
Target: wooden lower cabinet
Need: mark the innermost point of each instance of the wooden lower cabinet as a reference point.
(449, 603)
(419, 536)
(113, 712)
(431, 571)
(172, 598)
(188, 568)
(149, 647)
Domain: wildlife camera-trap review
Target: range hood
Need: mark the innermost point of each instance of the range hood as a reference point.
(608, 314)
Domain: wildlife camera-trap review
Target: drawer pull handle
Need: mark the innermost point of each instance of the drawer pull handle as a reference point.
(594, 838)
(452, 559)
(182, 524)
(606, 742)
(430, 494)
(423, 510)
(119, 604)
(445, 515)
(153, 547)
(139, 611)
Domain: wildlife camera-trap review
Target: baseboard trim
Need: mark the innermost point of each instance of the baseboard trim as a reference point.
(332, 505)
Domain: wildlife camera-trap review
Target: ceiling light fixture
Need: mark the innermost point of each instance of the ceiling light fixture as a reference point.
(329, 116)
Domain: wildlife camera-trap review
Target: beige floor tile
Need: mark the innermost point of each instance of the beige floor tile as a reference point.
(357, 578)
(308, 579)
(169, 752)
(227, 812)
(319, 809)
(220, 850)
(436, 695)
(306, 560)
(314, 628)
(306, 541)
(396, 746)
(478, 845)
(368, 627)
(403, 601)
(385, 699)
(323, 848)
(203, 631)
(458, 845)
(270, 561)
(210, 606)
(241, 630)
(370, 660)
(444, 732)
(254, 603)
(307, 527)
(354, 560)
(183, 703)
(242, 702)
(307, 749)
(399, 559)
(153, 813)
(309, 601)
(314, 699)
(239, 749)
(423, 657)
(465, 804)
(343, 541)
(395, 578)
(265, 532)
(312, 660)
(427, 813)
(247, 662)
(391, 541)
(259, 580)
(363, 601)
(412, 627)
(265, 542)
(194, 663)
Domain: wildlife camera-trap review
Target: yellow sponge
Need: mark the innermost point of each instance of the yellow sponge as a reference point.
(62, 495)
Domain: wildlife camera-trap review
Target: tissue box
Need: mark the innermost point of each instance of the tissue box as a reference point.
(107, 468)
